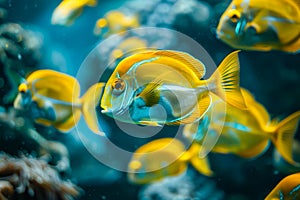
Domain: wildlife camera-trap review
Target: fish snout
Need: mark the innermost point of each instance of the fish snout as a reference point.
(109, 111)
(219, 33)
(106, 111)
(23, 100)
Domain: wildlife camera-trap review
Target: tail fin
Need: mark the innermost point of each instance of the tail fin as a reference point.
(226, 80)
(201, 164)
(89, 102)
(284, 137)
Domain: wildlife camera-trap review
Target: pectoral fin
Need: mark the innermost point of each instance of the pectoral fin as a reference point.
(192, 63)
(151, 93)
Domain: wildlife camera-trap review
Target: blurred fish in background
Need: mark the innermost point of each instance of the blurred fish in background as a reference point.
(52, 98)
(68, 10)
(287, 188)
(245, 133)
(162, 158)
(261, 25)
(115, 22)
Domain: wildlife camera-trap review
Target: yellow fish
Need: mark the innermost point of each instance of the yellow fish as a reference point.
(161, 158)
(52, 98)
(287, 189)
(115, 22)
(261, 25)
(145, 83)
(68, 10)
(245, 133)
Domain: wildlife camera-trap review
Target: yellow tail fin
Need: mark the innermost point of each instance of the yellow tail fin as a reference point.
(89, 102)
(284, 137)
(226, 79)
(200, 164)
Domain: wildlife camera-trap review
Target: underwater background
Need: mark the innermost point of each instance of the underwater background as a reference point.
(272, 77)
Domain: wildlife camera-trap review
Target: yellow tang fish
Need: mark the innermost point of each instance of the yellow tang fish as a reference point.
(245, 133)
(115, 22)
(161, 158)
(68, 10)
(52, 98)
(261, 25)
(287, 189)
(145, 83)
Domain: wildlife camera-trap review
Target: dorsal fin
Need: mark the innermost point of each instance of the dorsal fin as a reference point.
(192, 63)
(130, 58)
(49, 83)
(260, 113)
(46, 73)
(185, 64)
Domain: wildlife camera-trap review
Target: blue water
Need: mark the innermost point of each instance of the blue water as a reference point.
(272, 77)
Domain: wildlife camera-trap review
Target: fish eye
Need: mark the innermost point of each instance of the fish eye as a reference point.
(135, 165)
(23, 88)
(118, 85)
(234, 15)
(101, 23)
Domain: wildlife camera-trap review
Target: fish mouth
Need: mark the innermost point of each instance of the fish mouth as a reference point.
(122, 115)
(113, 112)
(219, 34)
(106, 111)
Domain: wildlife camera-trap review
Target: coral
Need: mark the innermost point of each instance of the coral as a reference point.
(179, 14)
(186, 186)
(176, 13)
(19, 55)
(17, 124)
(31, 178)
